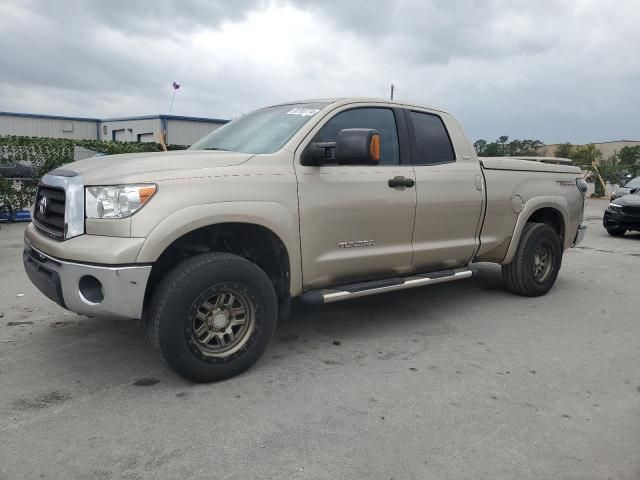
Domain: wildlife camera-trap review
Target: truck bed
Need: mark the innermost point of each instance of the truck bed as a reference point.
(516, 164)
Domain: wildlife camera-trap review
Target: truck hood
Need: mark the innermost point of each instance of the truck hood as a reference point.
(154, 166)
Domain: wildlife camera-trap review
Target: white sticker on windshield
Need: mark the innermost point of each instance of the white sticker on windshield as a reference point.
(303, 112)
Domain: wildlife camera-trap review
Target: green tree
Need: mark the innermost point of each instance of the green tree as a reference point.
(502, 147)
(564, 150)
(515, 147)
(493, 150)
(585, 155)
(526, 147)
(629, 155)
(480, 145)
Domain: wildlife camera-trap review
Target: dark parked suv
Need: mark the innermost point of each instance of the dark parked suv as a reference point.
(622, 214)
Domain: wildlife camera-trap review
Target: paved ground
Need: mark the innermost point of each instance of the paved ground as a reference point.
(453, 381)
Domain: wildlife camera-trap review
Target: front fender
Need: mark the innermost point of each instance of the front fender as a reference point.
(272, 215)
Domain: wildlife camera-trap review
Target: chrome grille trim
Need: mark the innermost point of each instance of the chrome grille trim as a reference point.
(73, 187)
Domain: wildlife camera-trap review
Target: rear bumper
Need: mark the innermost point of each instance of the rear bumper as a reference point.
(582, 229)
(93, 290)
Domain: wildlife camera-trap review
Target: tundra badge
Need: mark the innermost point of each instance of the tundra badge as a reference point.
(357, 243)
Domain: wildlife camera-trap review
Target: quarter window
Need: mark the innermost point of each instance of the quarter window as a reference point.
(433, 144)
(381, 119)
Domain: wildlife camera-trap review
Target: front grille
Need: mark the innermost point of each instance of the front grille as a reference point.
(49, 211)
(631, 210)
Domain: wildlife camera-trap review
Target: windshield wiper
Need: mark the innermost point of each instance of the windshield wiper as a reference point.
(218, 148)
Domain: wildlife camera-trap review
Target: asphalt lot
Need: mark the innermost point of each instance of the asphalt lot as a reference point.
(460, 380)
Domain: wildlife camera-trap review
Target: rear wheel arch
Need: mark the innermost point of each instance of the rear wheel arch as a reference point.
(552, 211)
(552, 217)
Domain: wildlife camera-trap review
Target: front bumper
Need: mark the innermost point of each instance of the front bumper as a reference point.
(619, 219)
(582, 229)
(93, 290)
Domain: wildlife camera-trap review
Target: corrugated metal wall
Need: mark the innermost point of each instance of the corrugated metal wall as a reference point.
(187, 132)
(48, 127)
(131, 130)
(181, 131)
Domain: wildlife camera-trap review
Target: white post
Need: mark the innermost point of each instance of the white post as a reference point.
(172, 99)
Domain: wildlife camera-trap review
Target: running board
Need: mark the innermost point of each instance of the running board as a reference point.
(355, 290)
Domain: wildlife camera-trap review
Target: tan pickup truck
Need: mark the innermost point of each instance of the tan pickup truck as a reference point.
(323, 200)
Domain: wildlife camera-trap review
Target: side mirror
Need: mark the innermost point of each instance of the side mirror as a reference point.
(358, 146)
(319, 153)
(354, 146)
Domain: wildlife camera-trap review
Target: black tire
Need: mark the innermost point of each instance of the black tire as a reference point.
(175, 310)
(616, 231)
(520, 275)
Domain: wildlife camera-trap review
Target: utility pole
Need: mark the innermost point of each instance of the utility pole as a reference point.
(393, 87)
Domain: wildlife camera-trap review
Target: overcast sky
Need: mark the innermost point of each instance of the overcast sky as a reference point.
(553, 70)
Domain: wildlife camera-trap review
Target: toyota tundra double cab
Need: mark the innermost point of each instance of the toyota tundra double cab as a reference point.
(323, 200)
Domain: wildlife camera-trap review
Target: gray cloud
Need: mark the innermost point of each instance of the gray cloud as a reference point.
(145, 17)
(552, 70)
(439, 30)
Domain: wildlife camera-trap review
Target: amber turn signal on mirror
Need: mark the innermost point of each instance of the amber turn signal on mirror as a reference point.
(374, 148)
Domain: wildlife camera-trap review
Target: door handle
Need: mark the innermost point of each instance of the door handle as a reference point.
(396, 182)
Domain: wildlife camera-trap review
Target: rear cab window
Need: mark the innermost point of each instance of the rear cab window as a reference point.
(431, 141)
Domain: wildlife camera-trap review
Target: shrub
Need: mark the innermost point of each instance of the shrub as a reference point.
(46, 154)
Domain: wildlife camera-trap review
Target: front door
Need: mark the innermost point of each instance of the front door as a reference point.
(353, 224)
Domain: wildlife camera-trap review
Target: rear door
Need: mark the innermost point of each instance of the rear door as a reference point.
(449, 192)
(353, 224)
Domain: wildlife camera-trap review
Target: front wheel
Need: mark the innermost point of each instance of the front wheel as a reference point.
(212, 317)
(536, 264)
(616, 231)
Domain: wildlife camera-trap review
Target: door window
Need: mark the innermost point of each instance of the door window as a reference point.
(432, 141)
(381, 119)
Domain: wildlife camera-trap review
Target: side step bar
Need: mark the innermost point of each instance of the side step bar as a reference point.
(355, 290)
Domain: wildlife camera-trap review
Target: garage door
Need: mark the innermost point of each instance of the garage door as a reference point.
(121, 135)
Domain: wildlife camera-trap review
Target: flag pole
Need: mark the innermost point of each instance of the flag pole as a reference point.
(172, 99)
(163, 135)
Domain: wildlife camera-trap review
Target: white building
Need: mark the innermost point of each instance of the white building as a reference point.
(179, 130)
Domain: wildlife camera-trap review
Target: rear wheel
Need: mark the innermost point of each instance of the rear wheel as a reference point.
(536, 264)
(212, 317)
(616, 231)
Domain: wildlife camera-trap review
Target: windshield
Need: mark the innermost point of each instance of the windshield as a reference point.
(633, 183)
(262, 131)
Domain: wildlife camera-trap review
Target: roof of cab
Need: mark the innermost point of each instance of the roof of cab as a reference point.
(348, 100)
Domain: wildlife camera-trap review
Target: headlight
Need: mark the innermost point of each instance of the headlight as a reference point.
(116, 201)
(614, 206)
